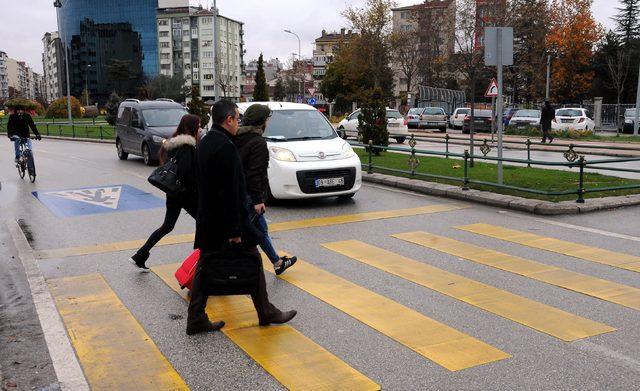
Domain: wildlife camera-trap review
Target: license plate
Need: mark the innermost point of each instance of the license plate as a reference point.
(394, 125)
(433, 123)
(329, 182)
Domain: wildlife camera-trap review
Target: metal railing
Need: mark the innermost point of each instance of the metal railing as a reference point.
(579, 161)
(79, 129)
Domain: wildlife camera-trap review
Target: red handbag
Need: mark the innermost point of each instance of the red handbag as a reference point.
(187, 270)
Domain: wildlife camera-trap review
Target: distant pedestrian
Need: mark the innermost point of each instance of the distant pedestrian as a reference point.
(223, 218)
(181, 147)
(548, 114)
(254, 155)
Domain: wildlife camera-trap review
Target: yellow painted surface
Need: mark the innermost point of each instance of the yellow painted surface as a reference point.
(576, 250)
(602, 289)
(114, 350)
(275, 227)
(541, 317)
(286, 354)
(436, 341)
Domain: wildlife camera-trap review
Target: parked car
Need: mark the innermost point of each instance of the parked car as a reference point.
(396, 125)
(457, 118)
(481, 121)
(523, 118)
(627, 122)
(434, 118)
(142, 127)
(508, 113)
(307, 158)
(572, 118)
(413, 117)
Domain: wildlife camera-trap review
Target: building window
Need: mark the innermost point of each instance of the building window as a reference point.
(207, 65)
(207, 76)
(195, 65)
(163, 34)
(195, 75)
(207, 20)
(163, 22)
(207, 43)
(403, 15)
(194, 31)
(164, 44)
(209, 88)
(207, 54)
(165, 56)
(177, 33)
(165, 66)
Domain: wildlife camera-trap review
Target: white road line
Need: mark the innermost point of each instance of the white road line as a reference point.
(611, 354)
(65, 362)
(576, 227)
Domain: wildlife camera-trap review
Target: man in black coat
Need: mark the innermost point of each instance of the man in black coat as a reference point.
(547, 115)
(223, 217)
(18, 127)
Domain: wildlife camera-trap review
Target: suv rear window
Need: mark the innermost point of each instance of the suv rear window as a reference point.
(569, 113)
(433, 111)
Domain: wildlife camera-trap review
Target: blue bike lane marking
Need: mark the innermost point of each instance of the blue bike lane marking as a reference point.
(97, 200)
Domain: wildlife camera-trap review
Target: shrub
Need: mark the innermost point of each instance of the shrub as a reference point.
(112, 108)
(58, 109)
(372, 121)
(29, 105)
(91, 111)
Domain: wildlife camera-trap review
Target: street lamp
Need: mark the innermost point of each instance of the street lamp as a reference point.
(58, 5)
(86, 85)
(299, 57)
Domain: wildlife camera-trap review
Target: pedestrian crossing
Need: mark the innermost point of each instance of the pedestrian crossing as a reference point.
(111, 345)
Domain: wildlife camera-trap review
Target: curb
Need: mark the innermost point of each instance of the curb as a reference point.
(539, 207)
(81, 139)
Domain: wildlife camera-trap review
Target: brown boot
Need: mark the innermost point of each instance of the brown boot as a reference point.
(203, 326)
(279, 318)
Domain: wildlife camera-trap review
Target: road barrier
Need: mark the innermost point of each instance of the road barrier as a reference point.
(78, 129)
(574, 160)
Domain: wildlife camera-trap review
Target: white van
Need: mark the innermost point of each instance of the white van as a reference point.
(307, 158)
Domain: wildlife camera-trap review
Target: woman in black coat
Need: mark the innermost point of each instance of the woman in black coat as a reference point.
(181, 147)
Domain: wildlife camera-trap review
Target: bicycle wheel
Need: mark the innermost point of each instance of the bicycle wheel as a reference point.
(31, 167)
(21, 170)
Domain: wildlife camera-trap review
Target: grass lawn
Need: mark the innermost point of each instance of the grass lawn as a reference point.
(530, 178)
(79, 130)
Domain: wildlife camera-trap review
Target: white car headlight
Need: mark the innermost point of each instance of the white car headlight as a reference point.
(628, 121)
(282, 154)
(347, 151)
(158, 139)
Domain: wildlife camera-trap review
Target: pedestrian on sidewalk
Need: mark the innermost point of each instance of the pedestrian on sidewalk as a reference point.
(181, 147)
(548, 114)
(254, 156)
(223, 218)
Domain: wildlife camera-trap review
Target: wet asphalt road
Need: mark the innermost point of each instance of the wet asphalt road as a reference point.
(609, 361)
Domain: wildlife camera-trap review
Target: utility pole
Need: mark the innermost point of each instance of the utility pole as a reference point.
(215, 53)
(58, 4)
(299, 60)
(499, 105)
(546, 95)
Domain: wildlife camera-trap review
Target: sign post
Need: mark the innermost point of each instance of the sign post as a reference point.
(499, 52)
(492, 92)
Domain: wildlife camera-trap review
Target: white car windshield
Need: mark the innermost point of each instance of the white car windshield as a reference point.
(163, 117)
(415, 110)
(296, 125)
(527, 114)
(569, 113)
(395, 114)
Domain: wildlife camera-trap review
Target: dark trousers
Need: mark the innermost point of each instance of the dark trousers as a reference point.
(172, 213)
(546, 134)
(199, 296)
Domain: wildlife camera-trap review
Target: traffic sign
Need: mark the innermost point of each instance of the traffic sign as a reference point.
(95, 200)
(492, 90)
(492, 46)
(299, 99)
(311, 101)
(312, 91)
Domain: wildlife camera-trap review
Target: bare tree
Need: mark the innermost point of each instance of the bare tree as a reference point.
(406, 56)
(224, 78)
(618, 69)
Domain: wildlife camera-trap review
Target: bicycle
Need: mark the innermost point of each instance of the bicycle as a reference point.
(25, 161)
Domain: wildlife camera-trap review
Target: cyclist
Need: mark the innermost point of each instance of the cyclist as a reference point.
(18, 128)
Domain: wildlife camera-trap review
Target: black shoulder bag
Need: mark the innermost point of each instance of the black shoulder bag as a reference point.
(233, 271)
(166, 178)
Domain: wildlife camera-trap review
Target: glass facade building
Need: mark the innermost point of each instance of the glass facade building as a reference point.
(102, 37)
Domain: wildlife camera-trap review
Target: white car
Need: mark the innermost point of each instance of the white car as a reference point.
(523, 117)
(572, 118)
(456, 121)
(396, 125)
(307, 159)
(413, 117)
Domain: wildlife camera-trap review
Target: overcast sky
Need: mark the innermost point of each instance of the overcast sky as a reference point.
(25, 22)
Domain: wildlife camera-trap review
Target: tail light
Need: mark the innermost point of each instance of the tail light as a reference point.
(467, 118)
(406, 121)
(581, 120)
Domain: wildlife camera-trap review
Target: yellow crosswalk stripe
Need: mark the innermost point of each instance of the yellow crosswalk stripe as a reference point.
(576, 250)
(114, 350)
(286, 354)
(541, 317)
(602, 289)
(275, 227)
(436, 341)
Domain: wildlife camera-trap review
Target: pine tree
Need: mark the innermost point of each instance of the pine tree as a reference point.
(627, 21)
(197, 107)
(261, 90)
(112, 108)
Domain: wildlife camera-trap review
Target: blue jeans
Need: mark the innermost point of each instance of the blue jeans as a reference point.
(265, 241)
(16, 146)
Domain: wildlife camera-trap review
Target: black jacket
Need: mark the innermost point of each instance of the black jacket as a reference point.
(183, 149)
(254, 156)
(222, 206)
(546, 116)
(19, 125)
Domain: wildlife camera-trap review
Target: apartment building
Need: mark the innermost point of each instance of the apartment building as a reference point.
(186, 47)
(53, 67)
(4, 77)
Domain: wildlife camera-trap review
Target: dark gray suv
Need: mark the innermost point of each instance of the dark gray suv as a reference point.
(142, 127)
